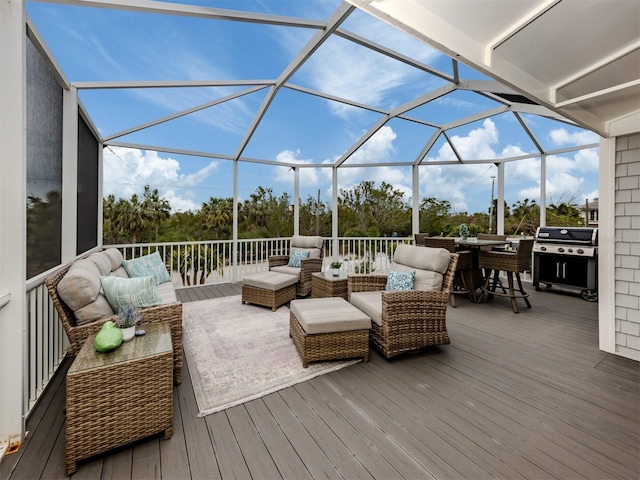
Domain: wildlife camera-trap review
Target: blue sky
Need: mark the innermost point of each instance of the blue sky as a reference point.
(93, 44)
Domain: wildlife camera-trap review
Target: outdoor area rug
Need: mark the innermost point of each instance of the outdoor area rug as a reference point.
(238, 353)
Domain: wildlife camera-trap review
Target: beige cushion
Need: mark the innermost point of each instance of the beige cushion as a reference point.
(295, 271)
(313, 252)
(430, 264)
(80, 285)
(370, 303)
(115, 256)
(422, 258)
(95, 310)
(119, 272)
(270, 280)
(327, 315)
(304, 242)
(167, 293)
(102, 262)
(424, 280)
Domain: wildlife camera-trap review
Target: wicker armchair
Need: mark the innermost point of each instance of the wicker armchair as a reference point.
(511, 263)
(462, 281)
(411, 320)
(77, 334)
(315, 246)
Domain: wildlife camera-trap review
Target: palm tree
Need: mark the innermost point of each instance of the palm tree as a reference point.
(218, 215)
(155, 208)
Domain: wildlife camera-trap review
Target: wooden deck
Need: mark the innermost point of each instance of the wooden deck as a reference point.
(524, 395)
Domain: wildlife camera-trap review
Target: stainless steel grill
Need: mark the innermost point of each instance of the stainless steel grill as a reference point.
(568, 257)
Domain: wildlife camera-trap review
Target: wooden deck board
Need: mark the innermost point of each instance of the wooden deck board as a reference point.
(525, 395)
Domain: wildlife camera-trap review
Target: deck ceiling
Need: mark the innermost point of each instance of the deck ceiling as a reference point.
(580, 58)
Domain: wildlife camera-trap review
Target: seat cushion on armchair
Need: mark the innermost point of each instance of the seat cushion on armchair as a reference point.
(288, 270)
(430, 265)
(370, 303)
(311, 243)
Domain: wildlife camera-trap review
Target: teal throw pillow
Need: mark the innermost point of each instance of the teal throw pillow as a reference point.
(296, 257)
(400, 280)
(139, 292)
(147, 266)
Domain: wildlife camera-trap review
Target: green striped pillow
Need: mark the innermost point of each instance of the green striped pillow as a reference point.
(147, 265)
(140, 292)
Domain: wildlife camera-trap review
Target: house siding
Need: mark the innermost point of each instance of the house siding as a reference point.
(627, 246)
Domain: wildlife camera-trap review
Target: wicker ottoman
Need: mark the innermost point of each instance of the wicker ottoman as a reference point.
(269, 289)
(328, 329)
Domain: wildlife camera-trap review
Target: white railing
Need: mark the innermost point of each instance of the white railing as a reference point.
(190, 263)
(211, 262)
(46, 341)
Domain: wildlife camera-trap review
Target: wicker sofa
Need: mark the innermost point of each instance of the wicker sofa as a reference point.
(86, 309)
(301, 243)
(407, 320)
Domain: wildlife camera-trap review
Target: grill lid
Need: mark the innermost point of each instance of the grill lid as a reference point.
(570, 235)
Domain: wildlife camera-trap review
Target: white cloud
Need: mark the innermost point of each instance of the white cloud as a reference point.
(128, 170)
(560, 136)
(308, 176)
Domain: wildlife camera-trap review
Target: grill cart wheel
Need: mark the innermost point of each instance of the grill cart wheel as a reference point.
(589, 295)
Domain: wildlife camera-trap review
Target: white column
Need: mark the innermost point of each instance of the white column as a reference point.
(543, 190)
(69, 174)
(296, 201)
(13, 252)
(500, 209)
(334, 214)
(234, 247)
(607, 246)
(415, 210)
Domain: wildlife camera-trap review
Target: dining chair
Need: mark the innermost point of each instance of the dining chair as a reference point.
(512, 263)
(465, 264)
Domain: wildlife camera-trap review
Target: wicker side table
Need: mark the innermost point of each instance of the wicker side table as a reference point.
(119, 397)
(325, 284)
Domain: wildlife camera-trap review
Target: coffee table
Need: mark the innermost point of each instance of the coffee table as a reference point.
(325, 284)
(119, 397)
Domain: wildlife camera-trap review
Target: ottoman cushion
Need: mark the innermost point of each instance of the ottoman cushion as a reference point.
(328, 315)
(273, 281)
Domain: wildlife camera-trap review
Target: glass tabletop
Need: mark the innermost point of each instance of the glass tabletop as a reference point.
(156, 340)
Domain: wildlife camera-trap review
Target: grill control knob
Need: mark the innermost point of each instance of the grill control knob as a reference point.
(544, 249)
(560, 249)
(570, 250)
(580, 251)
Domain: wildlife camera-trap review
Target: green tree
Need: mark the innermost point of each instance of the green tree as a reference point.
(155, 209)
(131, 218)
(434, 215)
(525, 218)
(217, 216)
(315, 218)
(380, 210)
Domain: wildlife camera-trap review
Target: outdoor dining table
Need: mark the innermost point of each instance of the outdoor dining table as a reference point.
(474, 277)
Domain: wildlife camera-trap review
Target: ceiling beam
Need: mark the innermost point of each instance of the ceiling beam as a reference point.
(182, 113)
(147, 6)
(170, 84)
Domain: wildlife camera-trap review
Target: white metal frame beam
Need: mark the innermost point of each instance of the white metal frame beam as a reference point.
(13, 251)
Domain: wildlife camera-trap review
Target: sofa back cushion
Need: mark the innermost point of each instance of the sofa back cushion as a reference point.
(430, 265)
(115, 257)
(79, 289)
(102, 262)
(81, 284)
(311, 243)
